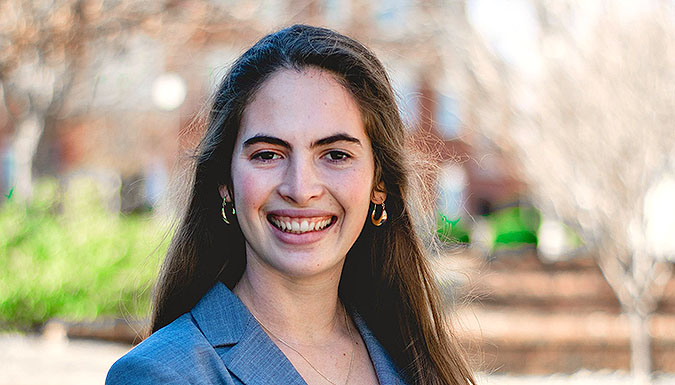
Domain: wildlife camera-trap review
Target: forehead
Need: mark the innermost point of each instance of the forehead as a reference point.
(302, 106)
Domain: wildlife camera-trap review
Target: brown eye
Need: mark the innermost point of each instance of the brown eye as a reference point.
(265, 156)
(336, 156)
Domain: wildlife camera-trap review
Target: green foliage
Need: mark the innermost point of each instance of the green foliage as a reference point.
(64, 255)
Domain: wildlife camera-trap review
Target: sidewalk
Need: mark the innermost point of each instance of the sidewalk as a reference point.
(55, 360)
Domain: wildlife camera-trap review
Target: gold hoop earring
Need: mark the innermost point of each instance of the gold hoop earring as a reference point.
(383, 217)
(225, 209)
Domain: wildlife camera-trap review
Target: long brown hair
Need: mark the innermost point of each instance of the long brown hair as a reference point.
(386, 277)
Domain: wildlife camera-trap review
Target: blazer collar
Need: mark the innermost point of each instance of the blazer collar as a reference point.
(221, 316)
(227, 323)
(385, 368)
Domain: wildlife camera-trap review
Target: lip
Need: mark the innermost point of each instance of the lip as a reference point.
(302, 238)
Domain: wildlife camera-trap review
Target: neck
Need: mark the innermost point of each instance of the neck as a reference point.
(302, 311)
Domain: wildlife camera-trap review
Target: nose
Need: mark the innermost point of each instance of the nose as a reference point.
(301, 183)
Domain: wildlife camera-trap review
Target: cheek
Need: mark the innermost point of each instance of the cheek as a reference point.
(355, 189)
(249, 188)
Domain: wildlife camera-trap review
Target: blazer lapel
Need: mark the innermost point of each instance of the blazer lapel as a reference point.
(249, 353)
(387, 374)
(256, 360)
(246, 350)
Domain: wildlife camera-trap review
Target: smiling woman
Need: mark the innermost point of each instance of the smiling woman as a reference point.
(285, 268)
(301, 158)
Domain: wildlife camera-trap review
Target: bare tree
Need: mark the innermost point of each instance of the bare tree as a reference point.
(44, 48)
(592, 127)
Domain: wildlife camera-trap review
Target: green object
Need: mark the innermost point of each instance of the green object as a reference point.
(515, 226)
(452, 231)
(64, 255)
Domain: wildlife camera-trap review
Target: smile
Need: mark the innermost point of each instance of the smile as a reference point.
(298, 225)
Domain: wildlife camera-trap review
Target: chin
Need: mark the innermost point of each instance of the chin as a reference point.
(299, 266)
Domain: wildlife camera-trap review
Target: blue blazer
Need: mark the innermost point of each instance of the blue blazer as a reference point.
(219, 342)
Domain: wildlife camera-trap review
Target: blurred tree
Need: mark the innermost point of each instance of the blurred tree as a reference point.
(589, 115)
(44, 48)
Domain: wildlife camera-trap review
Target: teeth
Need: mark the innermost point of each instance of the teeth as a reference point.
(295, 226)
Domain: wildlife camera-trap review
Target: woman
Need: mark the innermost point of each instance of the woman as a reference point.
(297, 260)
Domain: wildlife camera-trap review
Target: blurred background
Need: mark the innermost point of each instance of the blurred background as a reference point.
(552, 122)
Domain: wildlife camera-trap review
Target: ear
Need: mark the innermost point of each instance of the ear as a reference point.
(225, 193)
(379, 194)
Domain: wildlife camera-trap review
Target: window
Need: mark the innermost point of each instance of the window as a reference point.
(452, 183)
(447, 119)
(336, 12)
(392, 17)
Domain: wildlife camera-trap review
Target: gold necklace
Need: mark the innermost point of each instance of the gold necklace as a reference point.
(351, 360)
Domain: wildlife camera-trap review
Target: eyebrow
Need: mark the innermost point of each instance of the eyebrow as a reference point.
(336, 138)
(266, 139)
(280, 142)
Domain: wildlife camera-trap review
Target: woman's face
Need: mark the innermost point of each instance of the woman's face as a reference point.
(302, 174)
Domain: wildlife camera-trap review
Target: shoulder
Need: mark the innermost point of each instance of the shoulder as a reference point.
(138, 369)
(177, 353)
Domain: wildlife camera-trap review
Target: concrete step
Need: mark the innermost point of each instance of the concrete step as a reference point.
(534, 342)
(577, 286)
